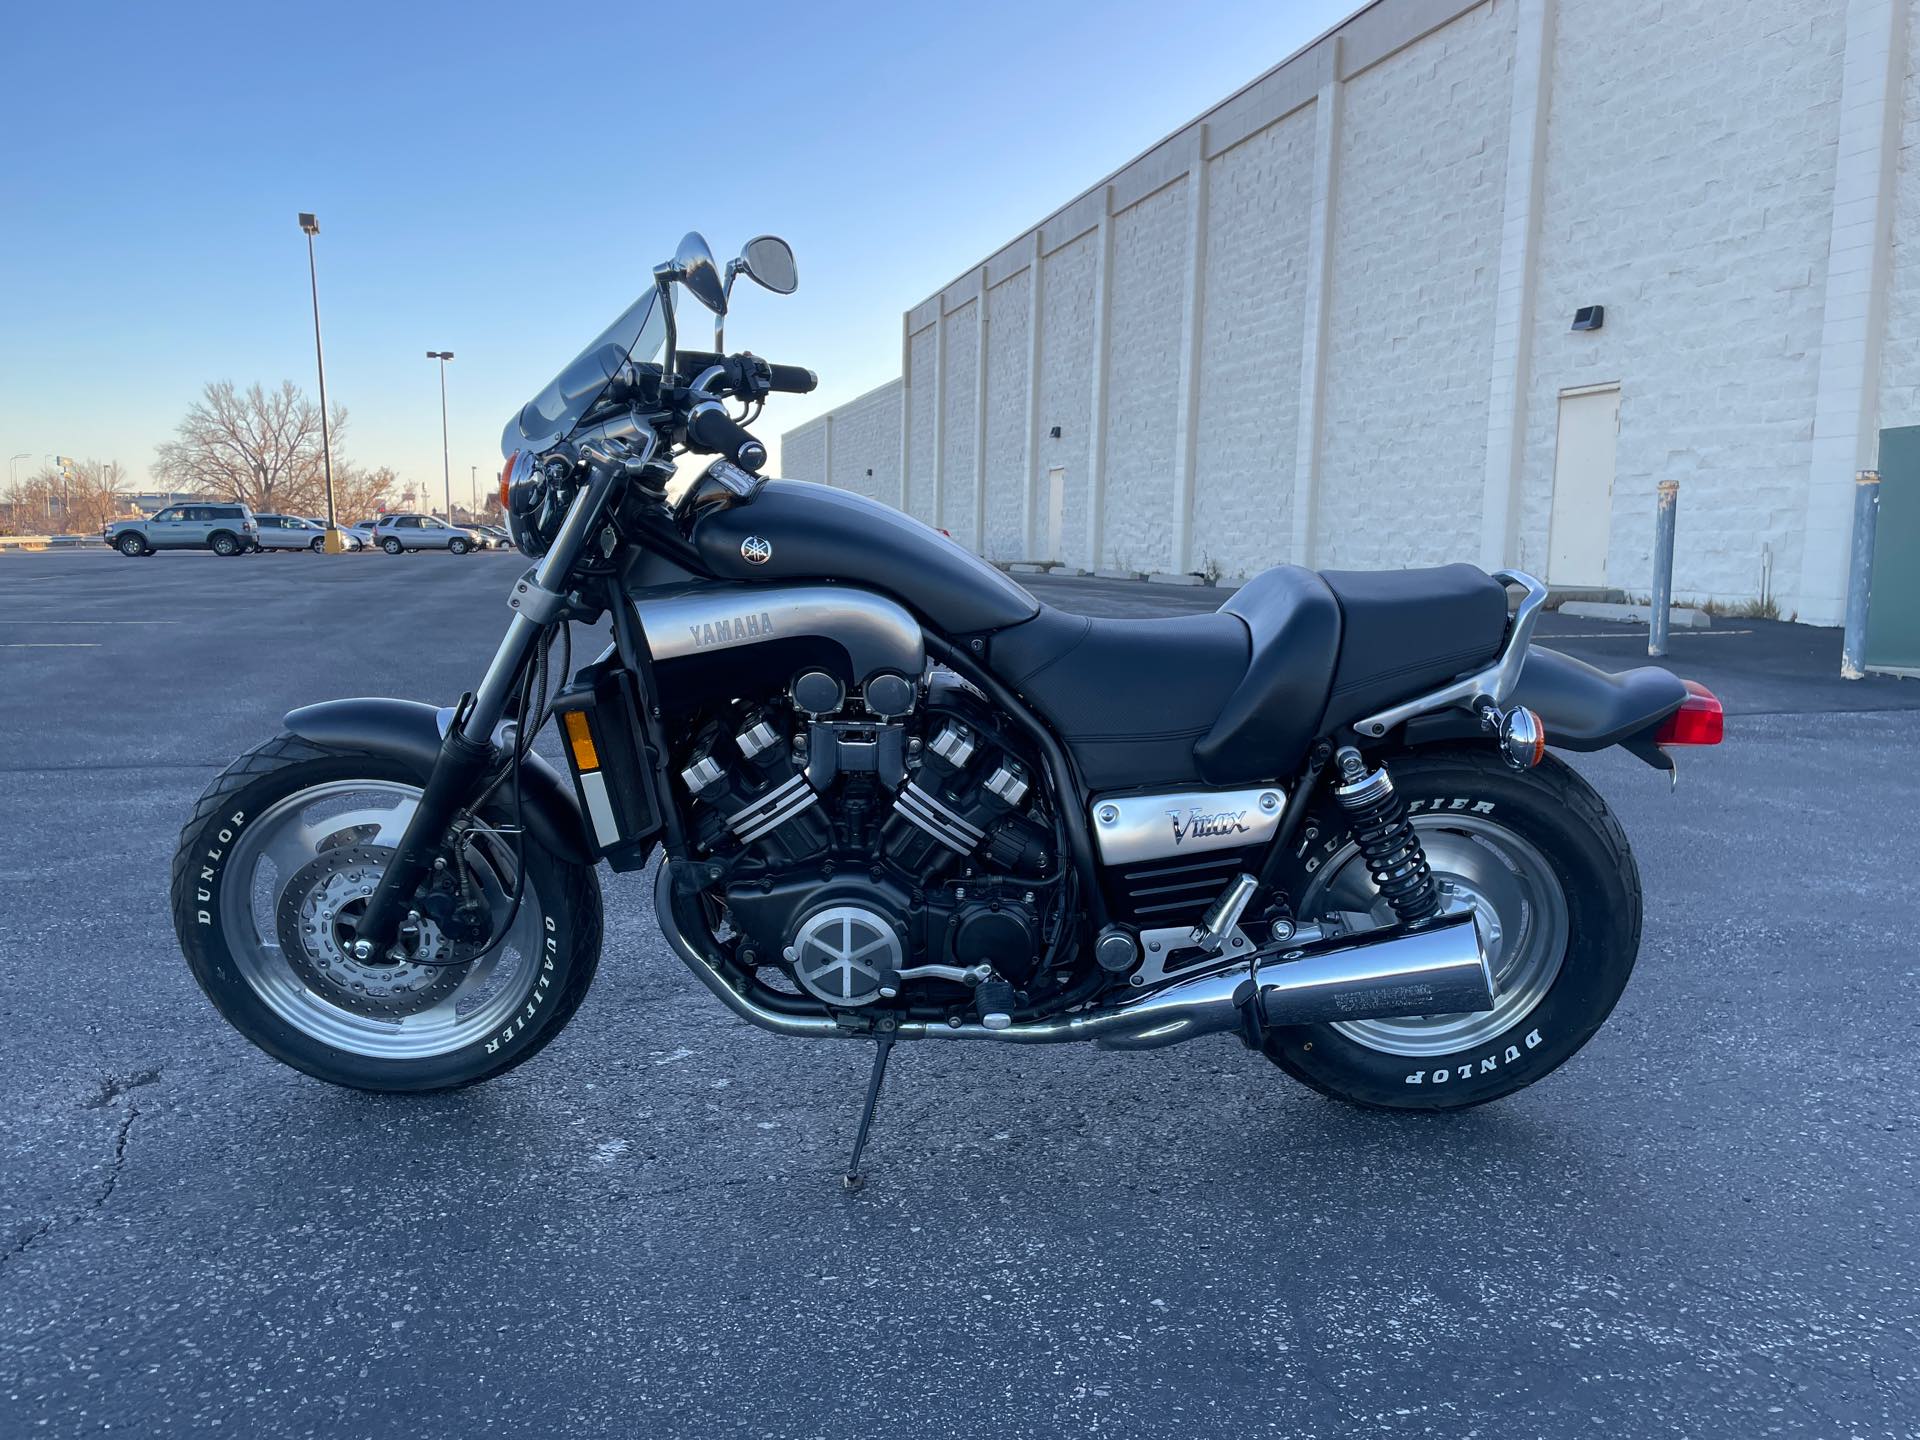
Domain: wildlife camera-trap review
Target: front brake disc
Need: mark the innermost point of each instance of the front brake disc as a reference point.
(315, 918)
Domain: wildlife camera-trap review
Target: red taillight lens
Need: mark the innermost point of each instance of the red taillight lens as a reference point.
(1698, 721)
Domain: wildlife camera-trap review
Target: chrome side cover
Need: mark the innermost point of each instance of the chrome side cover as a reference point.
(1129, 829)
(877, 634)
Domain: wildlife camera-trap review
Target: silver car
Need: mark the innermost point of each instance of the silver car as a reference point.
(396, 533)
(221, 526)
(296, 532)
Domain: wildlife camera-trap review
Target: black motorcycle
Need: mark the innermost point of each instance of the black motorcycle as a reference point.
(899, 798)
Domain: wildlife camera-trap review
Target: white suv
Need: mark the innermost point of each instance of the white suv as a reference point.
(395, 533)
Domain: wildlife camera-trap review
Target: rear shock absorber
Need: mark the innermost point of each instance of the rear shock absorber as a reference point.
(1386, 838)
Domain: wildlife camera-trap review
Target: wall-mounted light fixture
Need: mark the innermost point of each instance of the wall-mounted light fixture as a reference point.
(1589, 317)
(1054, 433)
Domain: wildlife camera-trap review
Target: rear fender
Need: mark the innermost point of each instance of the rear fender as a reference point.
(410, 732)
(1582, 708)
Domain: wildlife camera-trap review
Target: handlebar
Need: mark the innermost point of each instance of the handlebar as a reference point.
(710, 428)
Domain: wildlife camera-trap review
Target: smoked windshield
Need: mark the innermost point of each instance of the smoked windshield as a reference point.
(551, 416)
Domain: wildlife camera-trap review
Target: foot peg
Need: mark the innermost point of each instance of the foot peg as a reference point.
(996, 1001)
(1223, 916)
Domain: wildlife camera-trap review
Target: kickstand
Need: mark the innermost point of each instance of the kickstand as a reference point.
(853, 1179)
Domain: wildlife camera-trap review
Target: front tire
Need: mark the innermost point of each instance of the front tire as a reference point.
(319, 544)
(1548, 871)
(391, 546)
(281, 849)
(458, 547)
(131, 545)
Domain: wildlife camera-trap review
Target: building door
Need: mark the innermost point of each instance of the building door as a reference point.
(1056, 510)
(1583, 487)
(1893, 601)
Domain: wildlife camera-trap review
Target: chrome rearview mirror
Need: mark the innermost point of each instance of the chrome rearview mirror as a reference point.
(694, 267)
(767, 260)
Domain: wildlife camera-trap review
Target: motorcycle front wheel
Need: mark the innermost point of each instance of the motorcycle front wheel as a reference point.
(270, 876)
(1546, 870)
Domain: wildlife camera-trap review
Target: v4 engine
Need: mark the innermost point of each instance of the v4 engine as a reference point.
(887, 846)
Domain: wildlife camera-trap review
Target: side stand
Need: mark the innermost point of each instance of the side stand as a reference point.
(853, 1179)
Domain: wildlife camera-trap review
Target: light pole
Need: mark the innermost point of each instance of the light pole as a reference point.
(13, 479)
(473, 487)
(446, 467)
(311, 226)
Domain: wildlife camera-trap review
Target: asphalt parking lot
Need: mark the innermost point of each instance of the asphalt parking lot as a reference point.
(1704, 1225)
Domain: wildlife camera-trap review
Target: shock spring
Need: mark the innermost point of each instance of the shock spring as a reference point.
(1386, 838)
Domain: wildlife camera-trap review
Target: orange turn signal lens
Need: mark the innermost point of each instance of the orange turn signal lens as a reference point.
(506, 478)
(580, 740)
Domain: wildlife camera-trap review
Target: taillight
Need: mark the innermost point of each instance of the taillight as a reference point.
(1698, 721)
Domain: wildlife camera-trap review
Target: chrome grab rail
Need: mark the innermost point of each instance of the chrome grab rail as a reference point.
(1496, 683)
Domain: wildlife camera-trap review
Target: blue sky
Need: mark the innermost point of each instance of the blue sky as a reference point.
(498, 181)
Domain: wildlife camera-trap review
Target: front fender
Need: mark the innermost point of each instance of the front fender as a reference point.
(409, 731)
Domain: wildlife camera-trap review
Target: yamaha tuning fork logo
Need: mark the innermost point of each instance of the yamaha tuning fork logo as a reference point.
(756, 551)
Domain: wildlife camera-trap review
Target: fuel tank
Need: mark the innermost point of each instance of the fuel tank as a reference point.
(794, 530)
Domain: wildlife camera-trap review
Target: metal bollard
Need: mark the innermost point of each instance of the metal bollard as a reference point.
(1658, 619)
(1866, 518)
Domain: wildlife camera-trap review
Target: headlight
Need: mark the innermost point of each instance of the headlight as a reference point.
(535, 500)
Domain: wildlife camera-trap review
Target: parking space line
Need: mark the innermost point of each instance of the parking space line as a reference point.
(49, 644)
(92, 622)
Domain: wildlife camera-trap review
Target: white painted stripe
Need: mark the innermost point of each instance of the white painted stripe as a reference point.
(50, 645)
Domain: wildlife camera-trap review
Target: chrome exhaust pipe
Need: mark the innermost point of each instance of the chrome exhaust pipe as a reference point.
(1438, 969)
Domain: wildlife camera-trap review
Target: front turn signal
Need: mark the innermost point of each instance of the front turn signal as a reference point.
(1700, 720)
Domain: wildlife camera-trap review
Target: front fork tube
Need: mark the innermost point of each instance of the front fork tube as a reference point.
(466, 753)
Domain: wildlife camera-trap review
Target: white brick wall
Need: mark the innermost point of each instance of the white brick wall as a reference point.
(1411, 322)
(1730, 181)
(1007, 317)
(1149, 249)
(1688, 188)
(1066, 349)
(1257, 211)
(865, 446)
(1900, 361)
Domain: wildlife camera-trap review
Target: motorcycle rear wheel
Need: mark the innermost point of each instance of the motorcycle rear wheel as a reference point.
(281, 852)
(1548, 872)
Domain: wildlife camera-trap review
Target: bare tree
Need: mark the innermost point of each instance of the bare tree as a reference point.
(357, 494)
(261, 447)
(76, 504)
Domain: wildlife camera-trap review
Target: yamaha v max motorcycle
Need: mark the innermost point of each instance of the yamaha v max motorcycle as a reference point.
(896, 797)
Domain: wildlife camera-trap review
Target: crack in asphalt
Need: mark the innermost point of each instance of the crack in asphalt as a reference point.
(111, 1089)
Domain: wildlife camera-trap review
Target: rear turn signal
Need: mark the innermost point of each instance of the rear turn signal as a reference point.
(1698, 721)
(1523, 739)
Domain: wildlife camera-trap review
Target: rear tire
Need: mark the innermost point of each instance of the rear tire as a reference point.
(269, 811)
(224, 544)
(1556, 874)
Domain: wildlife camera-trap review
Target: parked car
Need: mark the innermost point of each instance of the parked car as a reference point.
(298, 532)
(395, 533)
(497, 538)
(362, 530)
(220, 526)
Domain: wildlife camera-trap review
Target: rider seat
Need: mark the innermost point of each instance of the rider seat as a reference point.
(1236, 697)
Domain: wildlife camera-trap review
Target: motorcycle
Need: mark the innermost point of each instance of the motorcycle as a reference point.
(898, 798)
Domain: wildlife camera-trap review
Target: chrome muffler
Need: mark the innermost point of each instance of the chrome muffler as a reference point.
(1438, 969)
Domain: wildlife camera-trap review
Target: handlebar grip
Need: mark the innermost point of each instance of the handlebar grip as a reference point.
(793, 379)
(710, 428)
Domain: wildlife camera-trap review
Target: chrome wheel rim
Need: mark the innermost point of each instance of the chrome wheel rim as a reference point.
(1512, 891)
(293, 875)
